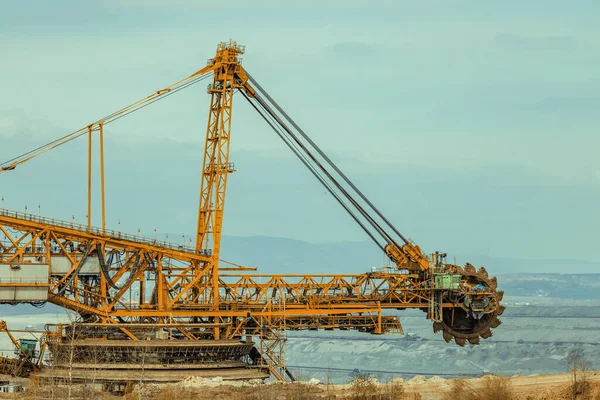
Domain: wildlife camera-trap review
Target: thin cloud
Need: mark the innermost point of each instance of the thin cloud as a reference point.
(355, 49)
(511, 41)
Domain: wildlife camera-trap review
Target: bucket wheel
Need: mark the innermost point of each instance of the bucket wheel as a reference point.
(476, 307)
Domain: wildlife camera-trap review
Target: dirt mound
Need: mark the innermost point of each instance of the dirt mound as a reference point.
(417, 380)
(436, 380)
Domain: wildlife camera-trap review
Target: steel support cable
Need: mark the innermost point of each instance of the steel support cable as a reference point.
(348, 197)
(320, 177)
(314, 145)
(193, 82)
(65, 138)
(340, 173)
(359, 207)
(105, 268)
(74, 135)
(106, 120)
(182, 84)
(75, 273)
(312, 169)
(356, 205)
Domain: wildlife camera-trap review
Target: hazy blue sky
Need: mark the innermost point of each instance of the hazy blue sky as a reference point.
(474, 125)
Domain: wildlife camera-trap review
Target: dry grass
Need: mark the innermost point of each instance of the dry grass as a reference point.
(360, 389)
(293, 391)
(491, 388)
(55, 391)
(565, 392)
(364, 388)
(583, 390)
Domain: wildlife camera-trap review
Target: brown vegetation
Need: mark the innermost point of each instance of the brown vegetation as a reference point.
(365, 388)
(580, 386)
(492, 388)
(358, 389)
(540, 387)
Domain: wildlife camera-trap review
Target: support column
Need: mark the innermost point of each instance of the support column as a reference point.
(89, 208)
(102, 176)
(379, 324)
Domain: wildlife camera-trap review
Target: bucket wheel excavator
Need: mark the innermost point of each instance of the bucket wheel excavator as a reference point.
(193, 313)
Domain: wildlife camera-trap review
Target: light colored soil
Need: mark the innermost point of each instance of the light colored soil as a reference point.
(537, 387)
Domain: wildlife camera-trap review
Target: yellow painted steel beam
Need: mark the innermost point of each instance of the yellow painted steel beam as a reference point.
(224, 313)
(115, 239)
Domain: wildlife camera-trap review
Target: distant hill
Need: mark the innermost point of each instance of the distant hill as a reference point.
(506, 265)
(567, 286)
(574, 279)
(280, 255)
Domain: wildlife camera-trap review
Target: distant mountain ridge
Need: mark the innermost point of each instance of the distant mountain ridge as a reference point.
(282, 255)
(567, 286)
(574, 279)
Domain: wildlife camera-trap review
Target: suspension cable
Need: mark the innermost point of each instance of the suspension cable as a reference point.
(293, 137)
(263, 113)
(159, 95)
(326, 158)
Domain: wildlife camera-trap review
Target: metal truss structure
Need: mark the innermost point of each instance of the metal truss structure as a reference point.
(28, 360)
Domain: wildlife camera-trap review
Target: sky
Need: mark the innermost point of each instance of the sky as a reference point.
(472, 125)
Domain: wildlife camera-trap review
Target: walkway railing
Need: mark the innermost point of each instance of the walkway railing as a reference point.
(98, 231)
